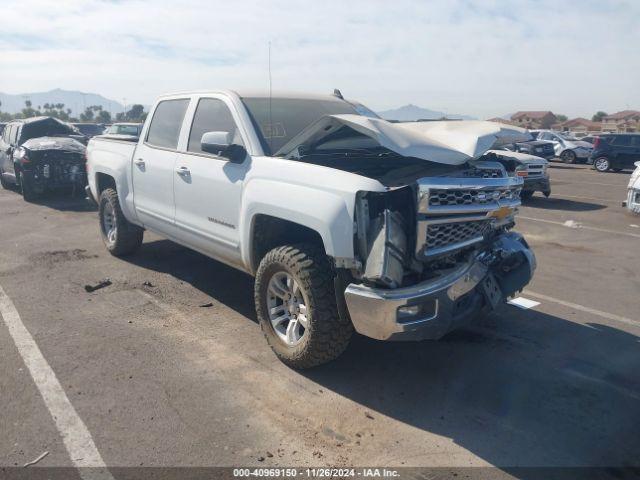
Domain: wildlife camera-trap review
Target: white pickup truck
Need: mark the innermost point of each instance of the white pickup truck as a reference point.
(399, 231)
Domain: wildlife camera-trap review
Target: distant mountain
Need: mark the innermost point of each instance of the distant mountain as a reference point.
(412, 112)
(75, 100)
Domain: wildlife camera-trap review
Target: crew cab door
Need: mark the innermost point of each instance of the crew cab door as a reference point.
(208, 187)
(153, 168)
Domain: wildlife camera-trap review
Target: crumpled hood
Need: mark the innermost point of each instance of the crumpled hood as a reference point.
(54, 143)
(448, 142)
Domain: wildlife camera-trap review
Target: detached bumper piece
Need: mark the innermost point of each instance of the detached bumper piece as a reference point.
(435, 307)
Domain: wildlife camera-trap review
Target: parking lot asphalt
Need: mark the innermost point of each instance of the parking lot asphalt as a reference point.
(167, 365)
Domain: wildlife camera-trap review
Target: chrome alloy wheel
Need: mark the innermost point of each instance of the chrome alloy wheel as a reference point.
(601, 164)
(287, 308)
(109, 225)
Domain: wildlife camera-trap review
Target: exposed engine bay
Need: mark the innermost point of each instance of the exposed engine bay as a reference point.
(434, 215)
(408, 234)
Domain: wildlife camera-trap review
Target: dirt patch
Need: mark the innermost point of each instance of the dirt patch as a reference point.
(569, 247)
(60, 256)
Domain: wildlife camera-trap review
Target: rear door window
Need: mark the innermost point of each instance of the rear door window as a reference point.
(166, 123)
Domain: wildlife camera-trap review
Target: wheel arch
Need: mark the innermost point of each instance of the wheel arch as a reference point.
(104, 181)
(311, 213)
(269, 232)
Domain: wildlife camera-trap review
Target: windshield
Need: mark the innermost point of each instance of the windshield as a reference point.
(88, 128)
(289, 116)
(133, 130)
(365, 111)
(565, 136)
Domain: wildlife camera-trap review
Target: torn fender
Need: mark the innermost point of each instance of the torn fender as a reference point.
(448, 142)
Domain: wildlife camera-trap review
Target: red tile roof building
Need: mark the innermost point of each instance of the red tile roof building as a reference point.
(534, 119)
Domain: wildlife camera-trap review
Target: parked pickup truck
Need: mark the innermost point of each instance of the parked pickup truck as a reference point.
(347, 222)
(533, 169)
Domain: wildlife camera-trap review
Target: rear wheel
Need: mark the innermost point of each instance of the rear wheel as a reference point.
(568, 156)
(119, 235)
(602, 164)
(297, 308)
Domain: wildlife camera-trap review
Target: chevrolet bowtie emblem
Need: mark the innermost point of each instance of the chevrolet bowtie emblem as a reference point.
(501, 213)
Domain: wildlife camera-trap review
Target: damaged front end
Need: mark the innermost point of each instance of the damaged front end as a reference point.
(436, 253)
(52, 163)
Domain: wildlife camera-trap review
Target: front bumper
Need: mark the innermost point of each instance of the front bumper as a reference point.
(437, 306)
(633, 201)
(540, 184)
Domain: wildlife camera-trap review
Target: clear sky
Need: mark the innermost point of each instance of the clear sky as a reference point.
(483, 58)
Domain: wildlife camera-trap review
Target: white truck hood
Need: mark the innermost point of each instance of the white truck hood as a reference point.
(448, 142)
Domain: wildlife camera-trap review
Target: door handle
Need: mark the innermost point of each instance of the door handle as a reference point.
(139, 162)
(184, 171)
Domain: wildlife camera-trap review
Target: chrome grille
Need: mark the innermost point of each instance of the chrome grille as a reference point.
(483, 173)
(447, 234)
(447, 197)
(535, 170)
(455, 213)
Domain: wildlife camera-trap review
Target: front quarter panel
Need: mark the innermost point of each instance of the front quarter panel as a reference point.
(319, 198)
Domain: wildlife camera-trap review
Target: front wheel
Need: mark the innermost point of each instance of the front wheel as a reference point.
(119, 235)
(602, 164)
(297, 308)
(568, 156)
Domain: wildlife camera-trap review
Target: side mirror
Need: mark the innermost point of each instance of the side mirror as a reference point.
(219, 143)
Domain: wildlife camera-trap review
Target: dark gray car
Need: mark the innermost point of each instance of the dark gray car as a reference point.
(39, 154)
